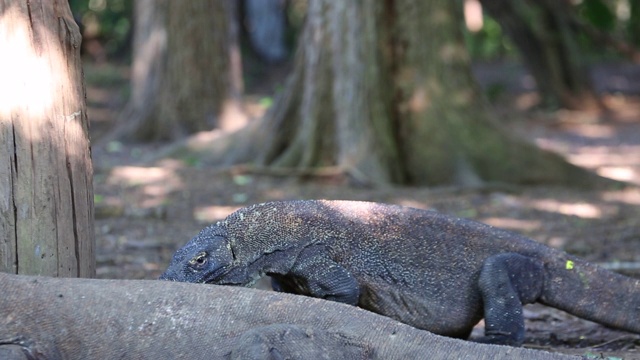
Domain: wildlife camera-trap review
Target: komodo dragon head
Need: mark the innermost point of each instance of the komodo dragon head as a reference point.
(207, 258)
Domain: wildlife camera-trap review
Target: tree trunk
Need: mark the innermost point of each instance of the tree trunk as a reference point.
(547, 40)
(384, 91)
(186, 69)
(46, 191)
(334, 110)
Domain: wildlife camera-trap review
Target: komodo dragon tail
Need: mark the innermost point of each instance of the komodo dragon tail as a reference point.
(591, 292)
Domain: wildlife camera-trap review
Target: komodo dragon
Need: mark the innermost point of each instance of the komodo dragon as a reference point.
(425, 269)
(56, 319)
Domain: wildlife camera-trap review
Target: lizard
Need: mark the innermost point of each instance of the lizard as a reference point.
(432, 271)
(68, 319)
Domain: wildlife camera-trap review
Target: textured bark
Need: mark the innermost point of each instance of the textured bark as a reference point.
(335, 109)
(137, 120)
(448, 135)
(547, 40)
(383, 91)
(46, 191)
(186, 68)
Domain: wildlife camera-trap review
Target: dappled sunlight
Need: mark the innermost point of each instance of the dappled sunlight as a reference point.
(155, 183)
(232, 117)
(621, 163)
(595, 131)
(629, 196)
(32, 79)
(209, 214)
(619, 173)
(473, 16)
(414, 204)
(513, 224)
(582, 210)
(27, 81)
(612, 151)
(358, 211)
(203, 139)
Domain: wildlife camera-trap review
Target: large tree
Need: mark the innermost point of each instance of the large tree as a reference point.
(186, 68)
(46, 192)
(383, 91)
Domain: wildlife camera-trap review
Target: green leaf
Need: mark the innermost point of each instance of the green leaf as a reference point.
(266, 102)
(242, 180)
(598, 14)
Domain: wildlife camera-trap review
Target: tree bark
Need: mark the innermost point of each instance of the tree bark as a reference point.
(186, 69)
(384, 92)
(334, 110)
(46, 191)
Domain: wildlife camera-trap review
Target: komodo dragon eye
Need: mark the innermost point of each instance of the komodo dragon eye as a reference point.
(199, 260)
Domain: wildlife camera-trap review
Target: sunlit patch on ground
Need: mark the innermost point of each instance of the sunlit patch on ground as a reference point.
(513, 224)
(155, 183)
(582, 210)
(210, 214)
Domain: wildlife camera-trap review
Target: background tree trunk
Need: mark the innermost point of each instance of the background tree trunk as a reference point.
(548, 43)
(186, 68)
(335, 109)
(388, 96)
(46, 191)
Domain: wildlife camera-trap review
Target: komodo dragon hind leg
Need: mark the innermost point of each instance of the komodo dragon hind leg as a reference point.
(507, 281)
(288, 341)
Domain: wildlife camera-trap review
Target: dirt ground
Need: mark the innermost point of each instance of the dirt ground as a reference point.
(145, 211)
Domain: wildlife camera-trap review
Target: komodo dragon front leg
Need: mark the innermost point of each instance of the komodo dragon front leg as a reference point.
(315, 274)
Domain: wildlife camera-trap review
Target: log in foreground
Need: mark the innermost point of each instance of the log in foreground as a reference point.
(53, 318)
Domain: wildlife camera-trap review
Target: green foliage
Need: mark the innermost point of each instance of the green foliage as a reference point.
(633, 25)
(266, 102)
(619, 18)
(489, 43)
(108, 21)
(598, 14)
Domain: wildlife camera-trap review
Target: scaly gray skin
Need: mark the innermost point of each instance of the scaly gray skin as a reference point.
(68, 319)
(428, 270)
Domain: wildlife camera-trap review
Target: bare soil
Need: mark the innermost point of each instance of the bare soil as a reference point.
(145, 211)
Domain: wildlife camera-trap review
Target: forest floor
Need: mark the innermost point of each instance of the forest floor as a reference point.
(145, 211)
